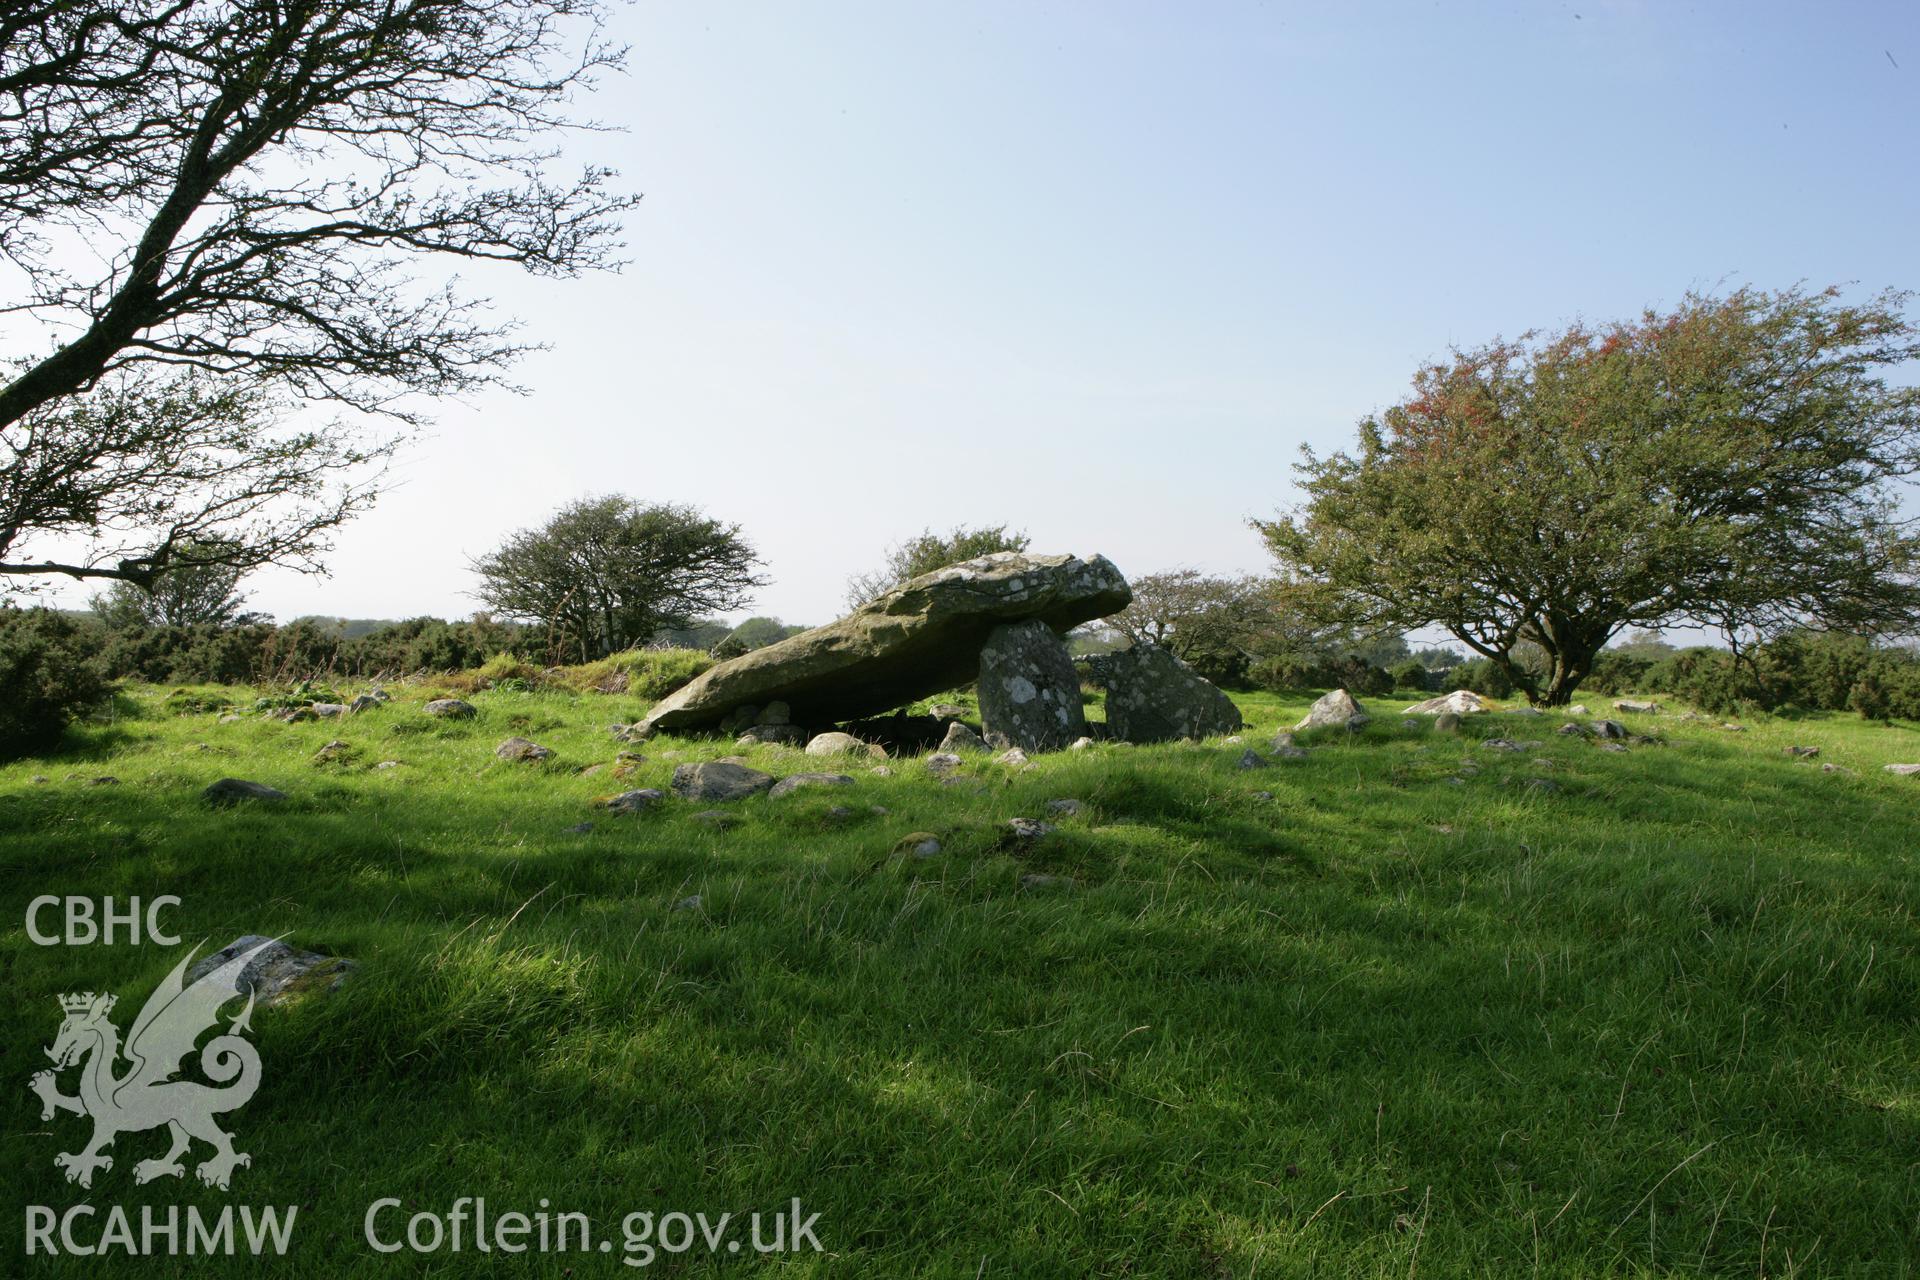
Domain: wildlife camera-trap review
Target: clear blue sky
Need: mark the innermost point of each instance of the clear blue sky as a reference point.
(1098, 270)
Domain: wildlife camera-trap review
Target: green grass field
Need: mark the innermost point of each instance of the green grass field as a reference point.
(1410, 1016)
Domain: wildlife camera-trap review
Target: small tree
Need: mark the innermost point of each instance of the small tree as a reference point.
(930, 551)
(609, 573)
(757, 633)
(1729, 464)
(211, 210)
(1215, 625)
(199, 586)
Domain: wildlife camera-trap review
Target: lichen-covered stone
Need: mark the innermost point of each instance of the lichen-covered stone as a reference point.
(1029, 691)
(719, 780)
(1152, 696)
(278, 973)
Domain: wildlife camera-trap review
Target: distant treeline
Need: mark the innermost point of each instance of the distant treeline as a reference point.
(260, 652)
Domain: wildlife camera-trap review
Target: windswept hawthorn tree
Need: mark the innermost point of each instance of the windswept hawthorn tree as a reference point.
(1732, 464)
(210, 216)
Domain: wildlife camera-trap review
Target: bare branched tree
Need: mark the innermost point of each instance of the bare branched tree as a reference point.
(214, 210)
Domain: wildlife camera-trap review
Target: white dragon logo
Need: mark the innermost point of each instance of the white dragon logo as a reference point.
(145, 1097)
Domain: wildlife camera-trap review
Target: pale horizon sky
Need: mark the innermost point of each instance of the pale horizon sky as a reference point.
(1098, 271)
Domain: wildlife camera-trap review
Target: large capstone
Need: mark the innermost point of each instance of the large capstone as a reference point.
(1152, 696)
(912, 642)
(1029, 691)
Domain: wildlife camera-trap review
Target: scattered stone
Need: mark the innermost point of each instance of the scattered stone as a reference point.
(1730, 727)
(920, 844)
(879, 810)
(1250, 759)
(288, 715)
(722, 780)
(1903, 770)
(1578, 709)
(718, 819)
(834, 744)
(234, 790)
(1065, 808)
(961, 738)
(1573, 730)
(1040, 880)
(784, 735)
(39, 780)
(388, 764)
(579, 828)
(1447, 722)
(1152, 696)
(1642, 708)
(591, 770)
(450, 708)
(794, 782)
(946, 711)
(520, 749)
(1610, 729)
(230, 718)
(1284, 747)
(1613, 746)
(1838, 768)
(1503, 744)
(335, 752)
(1337, 709)
(1526, 711)
(881, 771)
(922, 638)
(1080, 744)
(328, 710)
(689, 903)
(1543, 785)
(1461, 702)
(1263, 795)
(636, 801)
(1030, 828)
(276, 973)
(775, 713)
(942, 763)
(1803, 753)
(1013, 758)
(365, 702)
(741, 717)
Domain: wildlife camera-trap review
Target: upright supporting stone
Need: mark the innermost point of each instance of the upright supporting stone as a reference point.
(1152, 696)
(1029, 690)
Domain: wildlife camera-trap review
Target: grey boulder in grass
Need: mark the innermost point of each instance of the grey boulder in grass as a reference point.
(277, 974)
(1337, 709)
(234, 790)
(719, 780)
(1461, 702)
(914, 641)
(796, 781)
(1152, 696)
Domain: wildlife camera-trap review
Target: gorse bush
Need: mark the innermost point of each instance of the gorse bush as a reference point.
(303, 649)
(1292, 673)
(1410, 677)
(50, 672)
(1800, 671)
(1482, 677)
